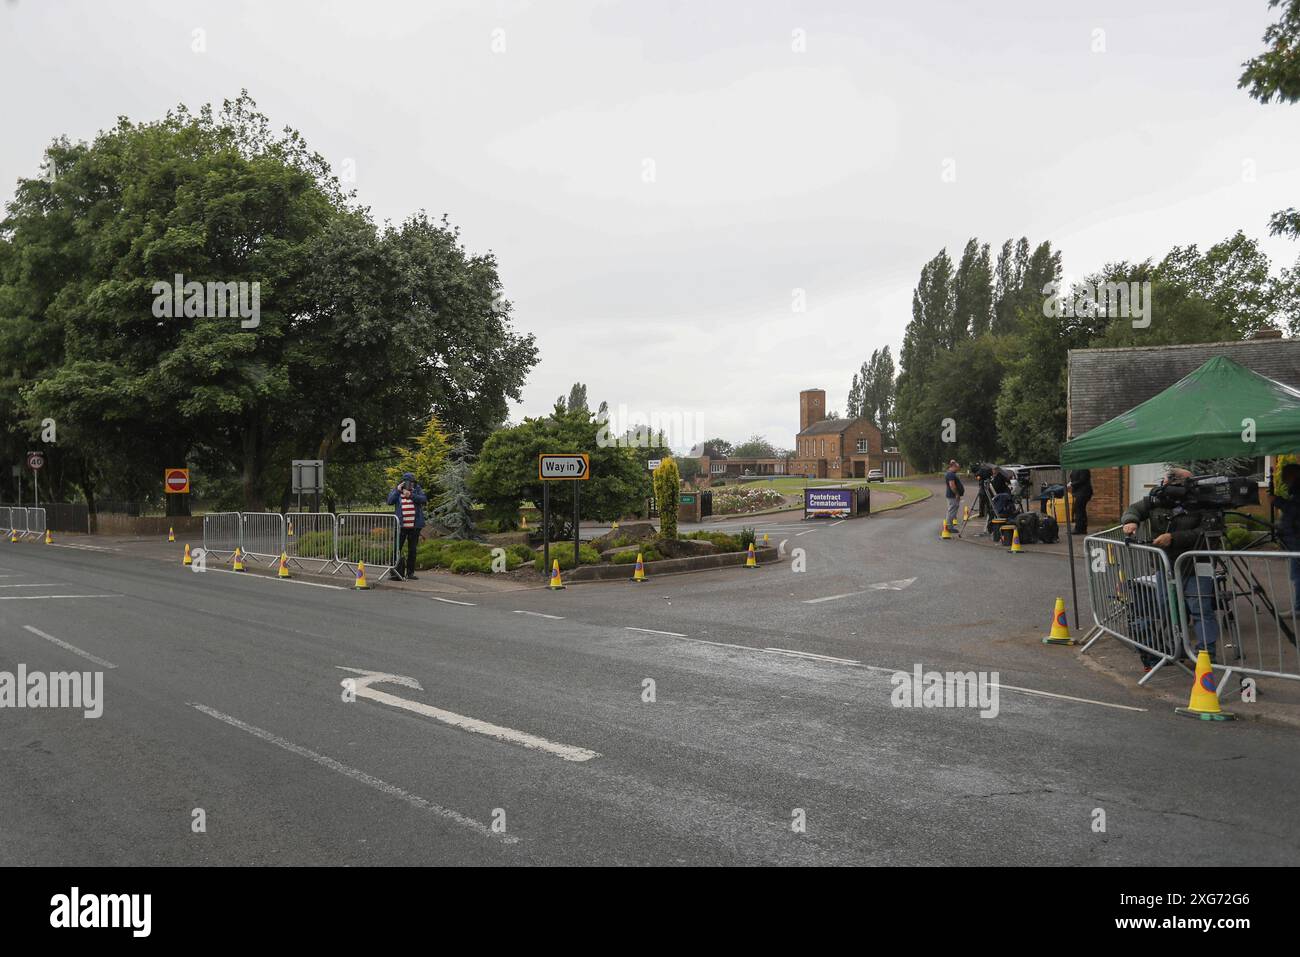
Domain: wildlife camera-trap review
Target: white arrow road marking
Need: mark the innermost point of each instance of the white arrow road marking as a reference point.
(67, 647)
(363, 690)
(898, 585)
(369, 780)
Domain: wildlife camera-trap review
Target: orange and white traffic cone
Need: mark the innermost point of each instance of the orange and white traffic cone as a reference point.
(751, 560)
(239, 560)
(361, 584)
(638, 575)
(1060, 632)
(555, 584)
(187, 560)
(1204, 701)
(284, 565)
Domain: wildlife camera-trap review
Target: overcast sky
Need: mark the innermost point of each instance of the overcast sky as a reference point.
(774, 169)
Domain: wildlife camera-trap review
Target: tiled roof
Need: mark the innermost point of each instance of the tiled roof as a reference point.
(1104, 383)
(830, 426)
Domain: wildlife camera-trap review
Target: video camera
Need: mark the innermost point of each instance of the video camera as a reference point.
(1209, 492)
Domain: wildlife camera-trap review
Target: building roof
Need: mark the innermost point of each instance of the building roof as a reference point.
(831, 426)
(1104, 383)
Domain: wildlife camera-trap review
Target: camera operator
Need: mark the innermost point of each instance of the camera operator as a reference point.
(407, 499)
(1288, 525)
(1177, 530)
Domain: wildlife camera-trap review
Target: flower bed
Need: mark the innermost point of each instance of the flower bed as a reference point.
(741, 499)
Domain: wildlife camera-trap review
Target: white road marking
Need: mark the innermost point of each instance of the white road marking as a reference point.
(898, 585)
(369, 780)
(840, 522)
(538, 614)
(270, 578)
(34, 585)
(31, 597)
(67, 647)
(809, 654)
(363, 690)
(651, 631)
(88, 548)
(1066, 697)
(452, 601)
(808, 532)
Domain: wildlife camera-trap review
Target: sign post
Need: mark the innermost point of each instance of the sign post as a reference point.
(176, 485)
(309, 477)
(572, 467)
(35, 462)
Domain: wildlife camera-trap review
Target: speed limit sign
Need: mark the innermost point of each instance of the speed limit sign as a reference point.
(35, 460)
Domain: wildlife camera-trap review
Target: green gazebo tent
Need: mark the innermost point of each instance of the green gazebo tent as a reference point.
(1207, 414)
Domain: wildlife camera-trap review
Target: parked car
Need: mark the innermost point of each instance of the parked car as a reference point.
(875, 475)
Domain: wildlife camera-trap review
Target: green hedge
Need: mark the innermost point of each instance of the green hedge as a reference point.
(465, 556)
(564, 553)
(629, 558)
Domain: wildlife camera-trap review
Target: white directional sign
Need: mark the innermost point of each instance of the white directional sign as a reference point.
(575, 466)
(361, 688)
(653, 464)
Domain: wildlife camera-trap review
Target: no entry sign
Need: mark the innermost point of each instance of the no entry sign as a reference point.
(176, 481)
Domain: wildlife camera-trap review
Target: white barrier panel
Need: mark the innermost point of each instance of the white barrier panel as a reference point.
(369, 537)
(261, 536)
(4, 518)
(18, 518)
(35, 522)
(220, 534)
(1239, 606)
(309, 541)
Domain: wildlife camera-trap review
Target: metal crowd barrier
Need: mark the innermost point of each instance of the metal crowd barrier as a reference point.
(310, 541)
(18, 520)
(1133, 593)
(221, 532)
(35, 522)
(261, 536)
(4, 518)
(369, 537)
(1239, 603)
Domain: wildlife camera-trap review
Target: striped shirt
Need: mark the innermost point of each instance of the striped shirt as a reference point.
(408, 510)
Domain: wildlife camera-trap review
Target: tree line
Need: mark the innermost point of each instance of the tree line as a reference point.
(364, 333)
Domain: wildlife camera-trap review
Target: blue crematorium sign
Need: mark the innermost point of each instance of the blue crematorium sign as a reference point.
(836, 502)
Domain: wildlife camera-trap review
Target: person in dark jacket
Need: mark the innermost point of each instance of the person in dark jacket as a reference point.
(1080, 488)
(1176, 531)
(407, 499)
(1288, 524)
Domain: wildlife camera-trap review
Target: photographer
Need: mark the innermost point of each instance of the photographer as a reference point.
(407, 499)
(1177, 530)
(1288, 524)
(1080, 489)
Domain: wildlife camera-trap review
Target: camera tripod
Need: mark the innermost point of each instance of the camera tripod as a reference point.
(1233, 579)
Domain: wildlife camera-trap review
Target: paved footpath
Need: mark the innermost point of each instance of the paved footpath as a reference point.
(519, 727)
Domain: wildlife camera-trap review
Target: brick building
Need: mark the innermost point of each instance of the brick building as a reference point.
(1104, 383)
(839, 448)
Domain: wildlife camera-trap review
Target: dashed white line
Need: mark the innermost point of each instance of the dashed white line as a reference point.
(32, 597)
(847, 594)
(452, 601)
(367, 779)
(840, 522)
(268, 578)
(815, 657)
(67, 647)
(651, 631)
(34, 585)
(538, 614)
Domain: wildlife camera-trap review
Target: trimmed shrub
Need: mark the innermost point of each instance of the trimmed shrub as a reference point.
(629, 558)
(721, 540)
(587, 554)
(667, 482)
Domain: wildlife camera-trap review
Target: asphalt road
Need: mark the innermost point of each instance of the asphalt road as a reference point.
(225, 695)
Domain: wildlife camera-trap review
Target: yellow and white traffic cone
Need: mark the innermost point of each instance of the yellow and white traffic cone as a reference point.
(289, 528)
(239, 560)
(766, 541)
(171, 533)
(638, 575)
(966, 515)
(13, 534)
(1015, 542)
(945, 534)
(361, 584)
(49, 539)
(1060, 632)
(555, 583)
(1204, 702)
(187, 560)
(751, 560)
(614, 527)
(284, 565)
